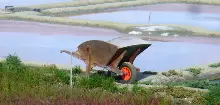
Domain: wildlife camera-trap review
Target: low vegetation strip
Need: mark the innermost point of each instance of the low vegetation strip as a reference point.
(67, 21)
(67, 4)
(67, 11)
(24, 84)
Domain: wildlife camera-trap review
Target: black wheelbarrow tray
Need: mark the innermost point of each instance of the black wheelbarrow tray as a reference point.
(116, 55)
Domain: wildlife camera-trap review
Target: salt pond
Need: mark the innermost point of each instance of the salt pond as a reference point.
(158, 57)
(204, 20)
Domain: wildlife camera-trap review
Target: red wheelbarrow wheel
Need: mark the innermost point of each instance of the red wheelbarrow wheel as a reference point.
(130, 73)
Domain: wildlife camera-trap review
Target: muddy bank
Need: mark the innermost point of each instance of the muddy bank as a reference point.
(55, 29)
(175, 7)
(200, 40)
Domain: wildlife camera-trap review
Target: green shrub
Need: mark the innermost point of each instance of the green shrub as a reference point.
(213, 96)
(63, 76)
(203, 84)
(150, 72)
(77, 70)
(195, 71)
(1, 66)
(12, 63)
(215, 65)
(172, 73)
(135, 88)
(17, 77)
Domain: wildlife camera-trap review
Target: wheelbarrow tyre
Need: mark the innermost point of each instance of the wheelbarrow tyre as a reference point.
(131, 70)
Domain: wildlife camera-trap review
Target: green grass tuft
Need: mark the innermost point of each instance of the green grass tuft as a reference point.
(213, 97)
(77, 70)
(172, 73)
(150, 72)
(194, 70)
(215, 65)
(97, 81)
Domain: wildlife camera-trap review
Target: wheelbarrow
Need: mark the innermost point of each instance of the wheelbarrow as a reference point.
(116, 55)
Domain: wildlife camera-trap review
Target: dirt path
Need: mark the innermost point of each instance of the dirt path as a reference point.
(55, 29)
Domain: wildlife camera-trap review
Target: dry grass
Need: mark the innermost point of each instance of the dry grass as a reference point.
(107, 4)
(67, 21)
(68, 4)
(100, 7)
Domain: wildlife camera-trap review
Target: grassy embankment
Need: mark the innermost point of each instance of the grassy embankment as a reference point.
(77, 8)
(66, 4)
(70, 11)
(25, 84)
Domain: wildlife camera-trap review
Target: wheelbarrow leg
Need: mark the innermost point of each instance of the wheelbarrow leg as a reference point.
(113, 65)
(88, 65)
(131, 60)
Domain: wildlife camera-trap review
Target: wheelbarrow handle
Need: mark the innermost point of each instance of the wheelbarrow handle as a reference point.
(68, 52)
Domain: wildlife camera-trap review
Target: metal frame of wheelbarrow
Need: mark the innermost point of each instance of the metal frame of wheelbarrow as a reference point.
(116, 55)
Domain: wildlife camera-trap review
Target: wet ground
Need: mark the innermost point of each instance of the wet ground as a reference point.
(208, 21)
(159, 57)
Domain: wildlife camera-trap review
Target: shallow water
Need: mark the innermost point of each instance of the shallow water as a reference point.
(158, 57)
(27, 2)
(205, 20)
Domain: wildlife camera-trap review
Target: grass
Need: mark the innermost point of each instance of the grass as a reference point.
(202, 84)
(215, 65)
(25, 84)
(211, 98)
